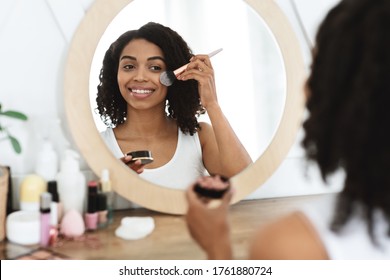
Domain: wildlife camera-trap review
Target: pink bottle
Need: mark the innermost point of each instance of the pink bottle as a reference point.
(91, 217)
(45, 202)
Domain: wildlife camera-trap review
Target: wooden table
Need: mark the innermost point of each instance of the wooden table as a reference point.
(170, 238)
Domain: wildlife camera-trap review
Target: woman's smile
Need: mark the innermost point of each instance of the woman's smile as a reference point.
(141, 93)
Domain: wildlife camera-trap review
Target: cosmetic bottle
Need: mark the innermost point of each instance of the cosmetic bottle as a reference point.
(102, 210)
(30, 190)
(91, 217)
(45, 201)
(47, 161)
(92, 187)
(71, 183)
(56, 205)
(107, 189)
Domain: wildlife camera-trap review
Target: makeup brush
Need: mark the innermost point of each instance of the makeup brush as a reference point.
(168, 77)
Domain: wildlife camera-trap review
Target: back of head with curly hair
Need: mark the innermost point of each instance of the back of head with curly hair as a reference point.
(349, 97)
(183, 102)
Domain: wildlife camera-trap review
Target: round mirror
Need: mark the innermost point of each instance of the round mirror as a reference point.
(250, 75)
(83, 125)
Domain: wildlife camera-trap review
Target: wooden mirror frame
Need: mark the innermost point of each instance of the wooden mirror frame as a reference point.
(128, 183)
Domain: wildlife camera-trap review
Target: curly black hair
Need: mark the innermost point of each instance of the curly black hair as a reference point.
(348, 104)
(183, 101)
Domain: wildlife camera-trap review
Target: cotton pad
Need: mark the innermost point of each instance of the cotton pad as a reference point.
(133, 228)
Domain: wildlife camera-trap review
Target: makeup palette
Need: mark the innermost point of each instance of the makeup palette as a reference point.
(145, 156)
(213, 187)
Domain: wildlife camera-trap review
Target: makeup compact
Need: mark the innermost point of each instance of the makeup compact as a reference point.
(145, 156)
(213, 187)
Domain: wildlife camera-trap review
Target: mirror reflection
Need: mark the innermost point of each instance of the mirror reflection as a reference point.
(154, 196)
(245, 79)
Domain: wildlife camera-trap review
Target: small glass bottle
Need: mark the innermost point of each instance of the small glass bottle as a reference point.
(102, 210)
(107, 189)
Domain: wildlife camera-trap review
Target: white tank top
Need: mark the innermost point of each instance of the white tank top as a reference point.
(183, 169)
(353, 241)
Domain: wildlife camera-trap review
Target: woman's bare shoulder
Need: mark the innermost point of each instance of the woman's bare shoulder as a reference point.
(291, 237)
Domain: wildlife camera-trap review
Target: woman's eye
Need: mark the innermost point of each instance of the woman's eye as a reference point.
(128, 67)
(155, 68)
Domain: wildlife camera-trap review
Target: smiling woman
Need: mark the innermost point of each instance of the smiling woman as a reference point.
(249, 73)
(127, 183)
(143, 114)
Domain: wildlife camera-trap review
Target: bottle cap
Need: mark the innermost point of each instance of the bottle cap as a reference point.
(52, 189)
(105, 175)
(30, 190)
(105, 181)
(45, 201)
(92, 187)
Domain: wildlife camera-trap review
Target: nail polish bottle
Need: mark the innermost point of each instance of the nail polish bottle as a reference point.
(45, 201)
(92, 187)
(91, 217)
(102, 210)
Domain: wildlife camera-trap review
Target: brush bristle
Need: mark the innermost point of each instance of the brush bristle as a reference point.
(167, 78)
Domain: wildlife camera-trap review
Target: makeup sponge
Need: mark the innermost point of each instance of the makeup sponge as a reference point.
(72, 224)
(133, 228)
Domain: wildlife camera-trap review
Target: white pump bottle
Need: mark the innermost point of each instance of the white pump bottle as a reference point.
(47, 161)
(71, 183)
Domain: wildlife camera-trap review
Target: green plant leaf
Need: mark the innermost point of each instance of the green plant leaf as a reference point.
(14, 114)
(15, 144)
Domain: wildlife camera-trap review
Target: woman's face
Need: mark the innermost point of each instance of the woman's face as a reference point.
(140, 66)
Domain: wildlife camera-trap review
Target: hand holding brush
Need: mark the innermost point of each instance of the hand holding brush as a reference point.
(168, 77)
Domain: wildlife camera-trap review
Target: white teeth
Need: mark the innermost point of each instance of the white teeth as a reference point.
(141, 91)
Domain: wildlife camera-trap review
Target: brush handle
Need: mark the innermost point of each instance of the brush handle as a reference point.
(181, 69)
(215, 52)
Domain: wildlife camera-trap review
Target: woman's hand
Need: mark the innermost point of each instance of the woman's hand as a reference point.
(223, 152)
(201, 70)
(209, 227)
(137, 166)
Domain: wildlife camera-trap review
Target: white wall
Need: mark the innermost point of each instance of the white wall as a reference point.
(34, 39)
